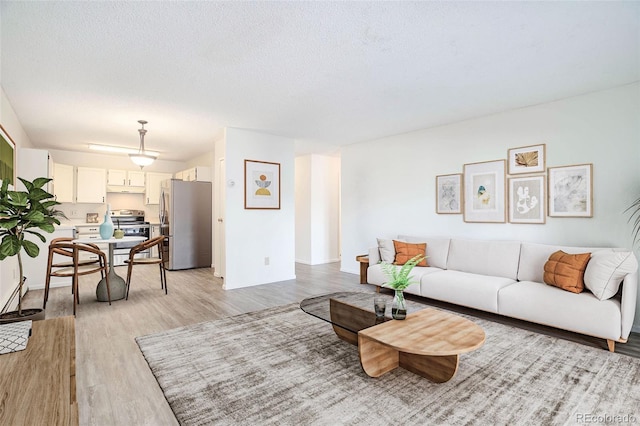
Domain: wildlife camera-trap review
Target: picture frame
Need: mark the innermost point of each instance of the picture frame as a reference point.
(484, 192)
(449, 199)
(261, 185)
(7, 157)
(527, 199)
(527, 159)
(92, 217)
(570, 190)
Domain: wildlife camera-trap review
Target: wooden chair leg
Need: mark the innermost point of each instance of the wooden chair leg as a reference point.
(161, 279)
(128, 284)
(164, 275)
(47, 281)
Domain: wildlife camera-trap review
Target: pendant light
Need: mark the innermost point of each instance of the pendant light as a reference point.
(141, 158)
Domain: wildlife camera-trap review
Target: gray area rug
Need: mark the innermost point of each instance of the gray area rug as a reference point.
(281, 366)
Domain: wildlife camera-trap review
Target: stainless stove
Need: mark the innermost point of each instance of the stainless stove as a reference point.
(133, 224)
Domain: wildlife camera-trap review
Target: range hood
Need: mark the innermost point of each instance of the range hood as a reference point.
(125, 189)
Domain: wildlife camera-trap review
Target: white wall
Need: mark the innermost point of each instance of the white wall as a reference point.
(303, 209)
(252, 235)
(317, 209)
(388, 185)
(9, 267)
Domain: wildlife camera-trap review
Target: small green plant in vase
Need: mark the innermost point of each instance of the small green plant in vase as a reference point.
(399, 280)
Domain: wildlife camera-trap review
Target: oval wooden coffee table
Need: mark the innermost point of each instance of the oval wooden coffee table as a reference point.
(428, 342)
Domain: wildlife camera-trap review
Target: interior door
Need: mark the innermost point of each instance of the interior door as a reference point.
(219, 210)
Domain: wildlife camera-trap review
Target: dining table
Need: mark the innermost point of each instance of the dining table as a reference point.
(117, 284)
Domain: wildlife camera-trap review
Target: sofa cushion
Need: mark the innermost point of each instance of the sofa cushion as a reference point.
(376, 276)
(566, 271)
(534, 256)
(407, 251)
(547, 305)
(463, 288)
(437, 249)
(493, 258)
(387, 250)
(606, 270)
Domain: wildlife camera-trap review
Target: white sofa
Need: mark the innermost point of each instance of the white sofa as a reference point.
(506, 278)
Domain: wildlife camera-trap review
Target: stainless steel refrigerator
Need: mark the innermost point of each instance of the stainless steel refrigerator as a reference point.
(185, 218)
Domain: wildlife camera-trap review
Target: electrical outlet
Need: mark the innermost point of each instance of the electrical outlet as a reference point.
(74, 213)
(266, 261)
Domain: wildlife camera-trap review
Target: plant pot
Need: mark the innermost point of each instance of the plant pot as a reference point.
(33, 314)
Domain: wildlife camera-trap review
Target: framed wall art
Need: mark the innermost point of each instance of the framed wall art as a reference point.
(527, 196)
(484, 192)
(527, 159)
(7, 157)
(449, 194)
(261, 185)
(571, 191)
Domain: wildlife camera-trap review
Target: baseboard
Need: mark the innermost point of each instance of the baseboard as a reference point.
(52, 285)
(322, 262)
(350, 271)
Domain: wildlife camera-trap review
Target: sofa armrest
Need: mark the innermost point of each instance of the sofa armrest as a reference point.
(628, 303)
(374, 256)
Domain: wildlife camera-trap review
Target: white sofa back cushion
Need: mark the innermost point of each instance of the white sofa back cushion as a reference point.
(534, 256)
(437, 249)
(493, 258)
(606, 270)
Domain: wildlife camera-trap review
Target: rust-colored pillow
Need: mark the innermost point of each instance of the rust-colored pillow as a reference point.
(406, 251)
(566, 271)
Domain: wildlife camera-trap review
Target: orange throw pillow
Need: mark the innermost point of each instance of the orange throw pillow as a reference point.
(566, 271)
(406, 251)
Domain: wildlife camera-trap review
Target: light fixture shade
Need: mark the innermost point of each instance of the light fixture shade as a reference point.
(142, 158)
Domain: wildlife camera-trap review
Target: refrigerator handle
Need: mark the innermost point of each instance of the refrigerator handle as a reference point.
(161, 207)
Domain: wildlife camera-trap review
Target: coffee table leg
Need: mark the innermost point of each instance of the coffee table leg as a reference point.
(376, 358)
(438, 369)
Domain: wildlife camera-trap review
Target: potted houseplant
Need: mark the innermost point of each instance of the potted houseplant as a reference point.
(635, 217)
(22, 214)
(399, 280)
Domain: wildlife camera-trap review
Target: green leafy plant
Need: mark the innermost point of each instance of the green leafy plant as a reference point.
(399, 277)
(24, 213)
(635, 217)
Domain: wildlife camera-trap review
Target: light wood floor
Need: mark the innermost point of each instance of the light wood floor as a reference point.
(114, 383)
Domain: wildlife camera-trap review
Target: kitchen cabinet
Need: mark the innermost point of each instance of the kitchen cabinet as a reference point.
(91, 231)
(125, 181)
(198, 173)
(152, 187)
(35, 163)
(91, 185)
(63, 175)
(154, 232)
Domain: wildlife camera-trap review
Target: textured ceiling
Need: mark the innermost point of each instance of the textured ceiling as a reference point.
(323, 73)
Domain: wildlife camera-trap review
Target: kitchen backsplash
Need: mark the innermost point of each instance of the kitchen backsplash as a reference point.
(77, 213)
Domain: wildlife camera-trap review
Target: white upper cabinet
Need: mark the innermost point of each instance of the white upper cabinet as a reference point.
(199, 173)
(135, 178)
(63, 183)
(91, 185)
(116, 177)
(125, 180)
(152, 188)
